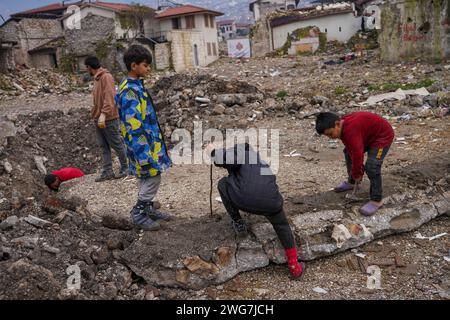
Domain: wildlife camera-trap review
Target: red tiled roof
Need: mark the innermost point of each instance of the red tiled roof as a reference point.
(186, 9)
(114, 6)
(225, 22)
(49, 8)
(59, 7)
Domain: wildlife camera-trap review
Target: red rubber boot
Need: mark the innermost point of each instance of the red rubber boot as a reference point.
(296, 268)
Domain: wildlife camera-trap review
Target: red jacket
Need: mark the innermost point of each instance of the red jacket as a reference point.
(68, 173)
(361, 131)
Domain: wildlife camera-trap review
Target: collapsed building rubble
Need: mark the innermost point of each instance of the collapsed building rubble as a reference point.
(87, 225)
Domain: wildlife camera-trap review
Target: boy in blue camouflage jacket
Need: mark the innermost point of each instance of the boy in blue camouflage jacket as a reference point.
(146, 150)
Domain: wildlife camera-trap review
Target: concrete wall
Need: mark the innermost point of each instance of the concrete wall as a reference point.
(93, 38)
(261, 39)
(261, 8)
(162, 56)
(182, 48)
(84, 12)
(29, 34)
(339, 27)
(415, 29)
(201, 36)
(6, 60)
(43, 60)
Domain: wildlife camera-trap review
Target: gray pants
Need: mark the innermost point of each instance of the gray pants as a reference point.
(108, 138)
(148, 187)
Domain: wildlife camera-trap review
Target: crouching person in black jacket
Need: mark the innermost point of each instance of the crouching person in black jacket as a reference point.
(250, 189)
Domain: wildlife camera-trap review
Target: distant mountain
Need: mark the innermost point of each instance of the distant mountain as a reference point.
(232, 9)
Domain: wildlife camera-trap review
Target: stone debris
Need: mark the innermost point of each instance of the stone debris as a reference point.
(37, 222)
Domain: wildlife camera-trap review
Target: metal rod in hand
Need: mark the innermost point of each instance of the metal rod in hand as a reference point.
(211, 188)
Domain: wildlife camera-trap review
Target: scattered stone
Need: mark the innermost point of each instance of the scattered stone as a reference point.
(39, 161)
(219, 109)
(9, 223)
(8, 167)
(100, 256)
(340, 235)
(37, 222)
(50, 249)
(321, 100)
(114, 221)
(115, 243)
(320, 290)
(26, 241)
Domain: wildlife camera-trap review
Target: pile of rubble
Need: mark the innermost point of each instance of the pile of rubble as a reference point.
(43, 237)
(181, 99)
(35, 82)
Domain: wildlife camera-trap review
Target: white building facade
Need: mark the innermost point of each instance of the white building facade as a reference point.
(338, 25)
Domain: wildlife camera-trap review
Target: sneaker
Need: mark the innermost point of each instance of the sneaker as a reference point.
(105, 176)
(154, 214)
(142, 221)
(240, 226)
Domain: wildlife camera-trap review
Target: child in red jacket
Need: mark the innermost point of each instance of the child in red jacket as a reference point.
(360, 132)
(54, 179)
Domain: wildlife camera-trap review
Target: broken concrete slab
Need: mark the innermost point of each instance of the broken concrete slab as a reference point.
(184, 266)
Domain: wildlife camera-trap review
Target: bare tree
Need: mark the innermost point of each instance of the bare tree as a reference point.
(133, 19)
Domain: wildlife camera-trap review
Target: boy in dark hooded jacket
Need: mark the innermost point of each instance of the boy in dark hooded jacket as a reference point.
(252, 190)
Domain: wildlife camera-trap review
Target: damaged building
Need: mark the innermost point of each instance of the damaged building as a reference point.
(415, 29)
(62, 35)
(336, 21)
(188, 38)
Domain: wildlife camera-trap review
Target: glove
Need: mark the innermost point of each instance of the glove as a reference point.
(102, 121)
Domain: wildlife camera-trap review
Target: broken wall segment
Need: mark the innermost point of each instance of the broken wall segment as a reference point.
(96, 37)
(415, 29)
(204, 258)
(27, 35)
(162, 56)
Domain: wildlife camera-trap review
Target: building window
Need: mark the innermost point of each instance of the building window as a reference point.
(190, 22)
(340, 29)
(208, 45)
(326, 30)
(214, 49)
(176, 23)
(212, 22)
(207, 21)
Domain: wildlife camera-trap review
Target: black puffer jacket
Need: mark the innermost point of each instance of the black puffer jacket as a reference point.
(252, 185)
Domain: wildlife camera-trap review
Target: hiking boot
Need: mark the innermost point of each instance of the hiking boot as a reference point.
(122, 173)
(105, 176)
(240, 227)
(154, 214)
(141, 220)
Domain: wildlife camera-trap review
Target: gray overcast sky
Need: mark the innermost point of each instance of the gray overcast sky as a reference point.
(8, 7)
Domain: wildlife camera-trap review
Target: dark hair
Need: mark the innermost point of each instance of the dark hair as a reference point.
(92, 62)
(136, 54)
(49, 179)
(326, 120)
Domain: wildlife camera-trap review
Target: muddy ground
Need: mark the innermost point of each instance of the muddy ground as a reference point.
(65, 136)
